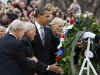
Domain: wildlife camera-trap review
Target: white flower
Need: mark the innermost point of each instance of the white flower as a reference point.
(89, 54)
(85, 15)
(88, 14)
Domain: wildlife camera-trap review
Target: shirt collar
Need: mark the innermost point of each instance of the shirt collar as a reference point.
(38, 25)
(13, 35)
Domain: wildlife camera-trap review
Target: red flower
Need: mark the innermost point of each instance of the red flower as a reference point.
(58, 58)
(72, 21)
(14, 5)
(62, 35)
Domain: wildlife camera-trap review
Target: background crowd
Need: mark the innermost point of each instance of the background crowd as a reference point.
(28, 45)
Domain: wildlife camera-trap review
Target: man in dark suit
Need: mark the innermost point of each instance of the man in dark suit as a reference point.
(45, 43)
(11, 50)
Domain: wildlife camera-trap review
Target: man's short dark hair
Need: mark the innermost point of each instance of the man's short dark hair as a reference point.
(41, 11)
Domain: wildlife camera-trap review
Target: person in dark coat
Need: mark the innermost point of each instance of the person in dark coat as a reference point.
(44, 43)
(57, 25)
(26, 40)
(11, 50)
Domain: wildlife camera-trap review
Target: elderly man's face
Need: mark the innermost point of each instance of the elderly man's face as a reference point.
(31, 33)
(19, 34)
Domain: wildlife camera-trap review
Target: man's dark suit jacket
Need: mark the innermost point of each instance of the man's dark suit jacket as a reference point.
(33, 67)
(11, 55)
(46, 53)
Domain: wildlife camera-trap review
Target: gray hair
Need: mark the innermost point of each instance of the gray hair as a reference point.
(29, 26)
(16, 25)
(57, 21)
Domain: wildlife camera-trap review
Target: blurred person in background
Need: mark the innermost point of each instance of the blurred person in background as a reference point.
(35, 3)
(2, 31)
(75, 8)
(4, 20)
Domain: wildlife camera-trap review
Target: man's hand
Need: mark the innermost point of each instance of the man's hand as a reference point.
(55, 68)
(33, 59)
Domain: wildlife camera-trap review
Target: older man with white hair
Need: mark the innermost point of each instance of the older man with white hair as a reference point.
(17, 28)
(26, 40)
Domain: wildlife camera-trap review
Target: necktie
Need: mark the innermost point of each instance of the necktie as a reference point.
(42, 34)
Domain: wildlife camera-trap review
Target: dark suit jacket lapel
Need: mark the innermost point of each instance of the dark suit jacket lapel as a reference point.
(37, 36)
(9, 36)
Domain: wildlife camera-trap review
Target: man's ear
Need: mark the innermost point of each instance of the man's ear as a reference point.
(26, 31)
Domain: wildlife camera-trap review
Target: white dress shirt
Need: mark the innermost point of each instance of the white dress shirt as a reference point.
(40, 30)
(13, 35)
